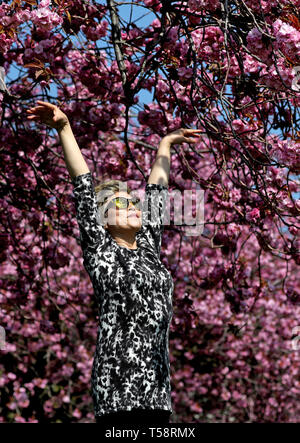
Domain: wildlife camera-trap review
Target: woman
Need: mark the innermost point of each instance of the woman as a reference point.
(121, 249)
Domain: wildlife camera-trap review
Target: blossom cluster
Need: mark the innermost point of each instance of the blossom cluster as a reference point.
(237, 288)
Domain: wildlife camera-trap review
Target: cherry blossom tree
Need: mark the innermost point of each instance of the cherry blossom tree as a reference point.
(230, 68)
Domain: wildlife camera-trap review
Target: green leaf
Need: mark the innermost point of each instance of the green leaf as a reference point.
(55, 388)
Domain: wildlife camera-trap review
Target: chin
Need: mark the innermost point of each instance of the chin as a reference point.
(135, 219)
(134, 222)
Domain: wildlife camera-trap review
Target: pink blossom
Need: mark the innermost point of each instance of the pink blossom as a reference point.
(185, 73)
(225, 395)
(40, 383)
(153, 4)
(45, 19)
(11, 376)
(231, 354)
(272, 401)
(204, 4)
(76, 413)
(19, 419)
(195, 407)
(287, 39)
(21, 398)
(97, 32)
(253, 215)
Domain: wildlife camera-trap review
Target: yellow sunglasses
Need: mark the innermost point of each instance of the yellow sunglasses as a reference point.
(123, 203)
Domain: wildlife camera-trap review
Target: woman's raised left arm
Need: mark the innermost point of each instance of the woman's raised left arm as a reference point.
(160, 170)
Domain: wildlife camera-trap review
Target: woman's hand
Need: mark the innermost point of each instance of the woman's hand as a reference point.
(49, 114)
(182, 136)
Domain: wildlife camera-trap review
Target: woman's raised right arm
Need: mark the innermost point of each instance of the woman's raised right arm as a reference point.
(52, 116)
(75, 162)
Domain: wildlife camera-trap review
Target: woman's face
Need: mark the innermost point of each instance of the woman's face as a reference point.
(124, 219)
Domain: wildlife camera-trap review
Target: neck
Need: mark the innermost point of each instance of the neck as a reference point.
(128, 242)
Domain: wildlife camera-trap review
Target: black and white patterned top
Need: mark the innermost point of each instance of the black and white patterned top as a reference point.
(134, 292)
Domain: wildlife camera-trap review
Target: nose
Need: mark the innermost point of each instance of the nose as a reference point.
(132, 210)
(130, 203)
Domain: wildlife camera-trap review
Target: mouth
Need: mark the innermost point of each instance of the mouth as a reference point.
(133, 215)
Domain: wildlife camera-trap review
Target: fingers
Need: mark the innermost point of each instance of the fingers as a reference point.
(36, 108)
(33, 116)
(193, 131)
(192, 139)
(42, 106)
(187, 133)
(49, 105)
